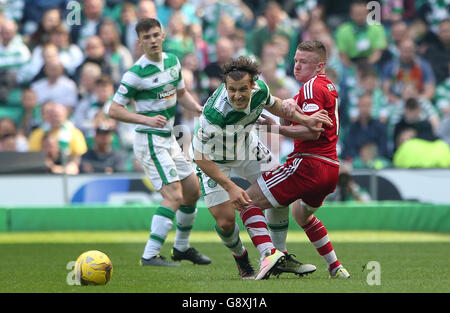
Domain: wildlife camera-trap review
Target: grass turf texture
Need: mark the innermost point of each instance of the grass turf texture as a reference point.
(409, 262)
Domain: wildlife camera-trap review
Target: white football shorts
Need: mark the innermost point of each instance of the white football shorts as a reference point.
(249, 169)
(161, 158)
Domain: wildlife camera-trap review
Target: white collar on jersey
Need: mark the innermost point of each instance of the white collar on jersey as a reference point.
(146, 61)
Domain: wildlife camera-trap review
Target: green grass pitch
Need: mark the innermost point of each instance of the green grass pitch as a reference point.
(408, 262)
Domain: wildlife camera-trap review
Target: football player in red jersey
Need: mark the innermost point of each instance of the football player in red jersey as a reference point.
(311, 170)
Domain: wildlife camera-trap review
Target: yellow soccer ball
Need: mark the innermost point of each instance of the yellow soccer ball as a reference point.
(93, 268)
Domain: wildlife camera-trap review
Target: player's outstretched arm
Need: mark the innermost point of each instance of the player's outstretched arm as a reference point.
(121, 113)
(292, 131)
(287, 109)
(186, 99)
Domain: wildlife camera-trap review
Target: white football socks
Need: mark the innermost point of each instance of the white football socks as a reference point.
(162, 222)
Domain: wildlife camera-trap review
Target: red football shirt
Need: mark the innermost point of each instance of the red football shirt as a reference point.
(316, 94)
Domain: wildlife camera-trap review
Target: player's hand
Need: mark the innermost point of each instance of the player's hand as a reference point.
(239, 198)
(157, 121)
(267, 121)
(198, 110)
(285, 122)
(317, 119)
(289, 106)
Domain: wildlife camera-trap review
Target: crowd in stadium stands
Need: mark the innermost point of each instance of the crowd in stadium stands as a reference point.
(60, 66)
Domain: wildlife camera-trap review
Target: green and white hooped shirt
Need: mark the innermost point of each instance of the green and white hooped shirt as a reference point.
(222, 131)
(153, 86)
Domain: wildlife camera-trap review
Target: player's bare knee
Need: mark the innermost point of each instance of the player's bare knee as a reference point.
(174, 198)
(225, 225)
(192, 197)
(302, 212)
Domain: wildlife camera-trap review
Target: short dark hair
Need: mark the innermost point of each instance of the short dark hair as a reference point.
(146, 24)
(237, 68)
(412, 104)
(104, 80)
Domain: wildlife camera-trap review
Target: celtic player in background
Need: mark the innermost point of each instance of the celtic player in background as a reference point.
(155, 84)
(225, 140)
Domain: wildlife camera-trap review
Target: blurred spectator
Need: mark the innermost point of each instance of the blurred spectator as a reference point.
(442, 100)
(408, 68)
(91, 18)
(272, 53)
(368, 82)
(413, 119)
(304, 10)
(283, 46)
(369, 158)
(395, 110)
(432, 12)
(357, 40)
(211, 12)
(276, 23)
(69, 53)
(102, 158)
(8, 143)
(177, 40)
(56, 86)
(347, 189)
(274, 81)
(85, 116)
(128, 20)
(415, 152)
(58, 46)
(201, 81)
(118, 55)
(71, 140)
(314, 30)
(333, 59)
(225, 50)
(32, 116)
(226, 26)
(90, 73)
(201, 50)
(34, 69)
(147, 8)
(13, 55)
(419, 32)
(438, 54)
(95, 53)
(54, 158)
(15, 140)
(398, 31)
(166, 10)
(391, 11)
(239, 39)
(12, 9)
(51, 19)
(365, 129)
(34, 11)
(185, 119)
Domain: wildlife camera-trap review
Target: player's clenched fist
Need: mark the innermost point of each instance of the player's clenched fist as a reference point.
(157, 121)
(289, 106)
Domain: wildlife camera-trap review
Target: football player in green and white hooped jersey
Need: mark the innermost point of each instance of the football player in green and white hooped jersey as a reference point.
(155, 84)
(225, 140)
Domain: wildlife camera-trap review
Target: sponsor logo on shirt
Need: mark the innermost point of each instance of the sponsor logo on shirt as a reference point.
(309, 107)
(168, 92)
(123, 90)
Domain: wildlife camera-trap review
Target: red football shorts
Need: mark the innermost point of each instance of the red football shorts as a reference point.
(307, 178)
